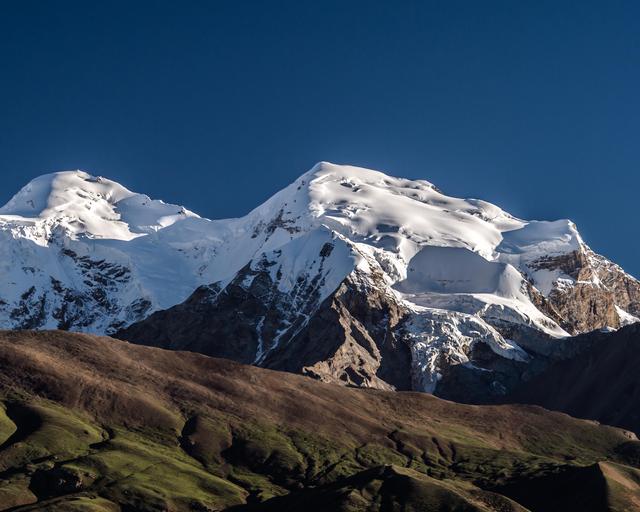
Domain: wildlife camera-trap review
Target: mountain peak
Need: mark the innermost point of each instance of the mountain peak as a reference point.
(52, 193)
(87, 204)
(396, 214)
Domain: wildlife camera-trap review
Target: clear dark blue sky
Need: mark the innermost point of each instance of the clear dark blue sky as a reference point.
(216, 105)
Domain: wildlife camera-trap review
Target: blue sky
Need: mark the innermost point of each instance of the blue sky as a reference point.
(216, 105)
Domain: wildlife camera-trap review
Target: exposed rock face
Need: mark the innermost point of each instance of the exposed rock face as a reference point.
(350, 336)
(598, 291)
(353, 339)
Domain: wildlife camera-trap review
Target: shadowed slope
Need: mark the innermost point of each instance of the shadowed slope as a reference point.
(601, 382)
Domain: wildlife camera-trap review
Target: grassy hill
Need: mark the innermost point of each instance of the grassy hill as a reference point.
(96, 424)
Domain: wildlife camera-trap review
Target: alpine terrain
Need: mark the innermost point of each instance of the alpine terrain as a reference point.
(347, 275)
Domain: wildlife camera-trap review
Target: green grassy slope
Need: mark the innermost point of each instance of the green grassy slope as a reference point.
(95, 424)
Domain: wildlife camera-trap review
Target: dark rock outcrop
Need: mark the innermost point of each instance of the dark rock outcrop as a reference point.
(350, 337)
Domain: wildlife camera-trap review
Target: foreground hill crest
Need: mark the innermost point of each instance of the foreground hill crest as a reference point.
(347, 274)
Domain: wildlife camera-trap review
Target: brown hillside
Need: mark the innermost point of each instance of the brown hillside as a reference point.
(94, 421)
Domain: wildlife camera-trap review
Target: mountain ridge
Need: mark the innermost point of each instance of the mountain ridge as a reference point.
(452, 273)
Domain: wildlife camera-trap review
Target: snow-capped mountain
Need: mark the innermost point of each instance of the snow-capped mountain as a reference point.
(347, 274)
(84, 253)
(354, 276)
